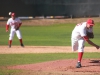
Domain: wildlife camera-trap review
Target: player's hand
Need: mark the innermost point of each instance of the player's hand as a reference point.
(97, 47)
(6, 30)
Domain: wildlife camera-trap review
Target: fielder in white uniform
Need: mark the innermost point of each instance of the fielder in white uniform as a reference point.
(79, 37)
(12, 22)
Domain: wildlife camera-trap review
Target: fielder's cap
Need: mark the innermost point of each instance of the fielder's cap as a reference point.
(90, 22)
(12, 14)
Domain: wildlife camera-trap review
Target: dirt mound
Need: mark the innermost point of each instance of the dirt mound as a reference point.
(88, 66)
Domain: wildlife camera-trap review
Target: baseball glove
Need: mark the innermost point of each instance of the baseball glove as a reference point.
(16, 27)
(90, 35)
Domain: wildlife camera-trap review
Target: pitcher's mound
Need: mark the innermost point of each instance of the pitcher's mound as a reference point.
(88, 65)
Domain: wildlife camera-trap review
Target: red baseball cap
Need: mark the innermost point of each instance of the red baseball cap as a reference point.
(12, 14)
(90, 22)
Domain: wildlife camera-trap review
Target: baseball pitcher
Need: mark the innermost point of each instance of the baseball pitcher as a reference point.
(15, 24)
(81, 33)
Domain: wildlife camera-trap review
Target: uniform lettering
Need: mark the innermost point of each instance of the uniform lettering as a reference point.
(14, 23)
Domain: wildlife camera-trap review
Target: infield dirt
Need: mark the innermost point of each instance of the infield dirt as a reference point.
(58, 67)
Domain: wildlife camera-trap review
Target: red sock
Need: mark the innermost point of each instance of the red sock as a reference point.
(80, 54)
(10, 42)
(20, 41)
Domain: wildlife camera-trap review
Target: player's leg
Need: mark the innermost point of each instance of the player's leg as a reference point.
(18, 33)
(74, 44)
(80, 52)
(12, 32)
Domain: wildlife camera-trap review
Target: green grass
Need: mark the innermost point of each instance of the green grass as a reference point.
(53, 35)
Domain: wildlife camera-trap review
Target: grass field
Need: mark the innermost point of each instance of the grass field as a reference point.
(54, 35)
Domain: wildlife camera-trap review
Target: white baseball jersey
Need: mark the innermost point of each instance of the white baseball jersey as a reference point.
(80, 30)
(14, 22)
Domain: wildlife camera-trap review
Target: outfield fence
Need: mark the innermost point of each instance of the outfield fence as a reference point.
(66, 8)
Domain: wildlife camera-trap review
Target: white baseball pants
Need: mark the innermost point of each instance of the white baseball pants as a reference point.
(12, 33)
(77, 44)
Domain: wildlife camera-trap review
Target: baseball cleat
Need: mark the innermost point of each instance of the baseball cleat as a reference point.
(22, 45)
(9, 46)
(78, 65)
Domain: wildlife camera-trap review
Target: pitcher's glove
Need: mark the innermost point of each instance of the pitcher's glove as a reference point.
(90, 35)
(16, 27)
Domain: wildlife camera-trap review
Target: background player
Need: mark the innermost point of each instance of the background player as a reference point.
(14, 22)
(79, 36)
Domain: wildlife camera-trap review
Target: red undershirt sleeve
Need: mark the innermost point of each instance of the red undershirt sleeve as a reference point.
(7, 27)
(20, 24)
(85, 38)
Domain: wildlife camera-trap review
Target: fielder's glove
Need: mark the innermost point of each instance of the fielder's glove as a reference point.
(16, 27)
(90, 35)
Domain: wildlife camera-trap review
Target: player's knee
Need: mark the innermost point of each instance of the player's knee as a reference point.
(19, 37)
(81, 49)
(74, 48)
(11, 37)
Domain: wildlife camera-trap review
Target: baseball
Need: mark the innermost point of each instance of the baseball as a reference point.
(9, 13)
